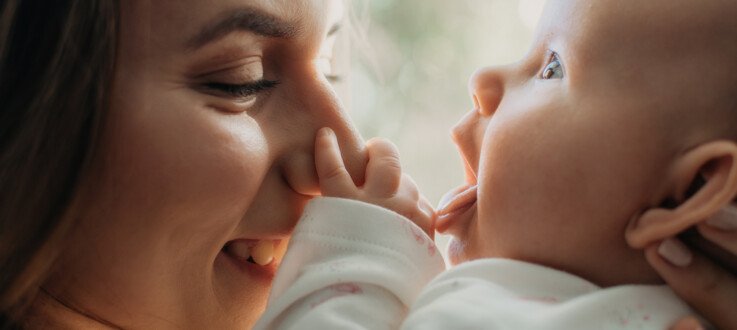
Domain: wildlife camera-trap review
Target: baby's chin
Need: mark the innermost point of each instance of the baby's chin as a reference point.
(457, 251)
(462, 249)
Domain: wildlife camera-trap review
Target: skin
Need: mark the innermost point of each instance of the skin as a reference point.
(707, 287)
(180, 171)
(183, 169)
(566, 166)
(385, 185)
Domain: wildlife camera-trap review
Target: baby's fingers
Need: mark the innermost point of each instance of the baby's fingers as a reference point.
(334, 178)
(429, 215)
(383, 172)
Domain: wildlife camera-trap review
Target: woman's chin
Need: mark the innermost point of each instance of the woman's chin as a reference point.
(242, 288)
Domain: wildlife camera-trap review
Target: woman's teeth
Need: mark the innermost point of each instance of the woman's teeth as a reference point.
(260, 252)
(263, 252)
(239, 249)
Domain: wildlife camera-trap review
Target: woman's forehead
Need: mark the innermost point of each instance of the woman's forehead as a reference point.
(176, 23)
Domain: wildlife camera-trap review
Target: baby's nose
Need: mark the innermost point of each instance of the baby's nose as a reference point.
(486, 88)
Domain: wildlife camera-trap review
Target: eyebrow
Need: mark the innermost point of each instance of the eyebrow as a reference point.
(244, 19)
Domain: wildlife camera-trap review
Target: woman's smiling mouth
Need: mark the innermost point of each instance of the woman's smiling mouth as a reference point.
(254, 255)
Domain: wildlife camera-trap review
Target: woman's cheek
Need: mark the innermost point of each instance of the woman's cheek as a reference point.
(229, 163)
(190, 162)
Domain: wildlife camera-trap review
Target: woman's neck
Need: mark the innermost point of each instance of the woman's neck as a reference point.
(49, 312)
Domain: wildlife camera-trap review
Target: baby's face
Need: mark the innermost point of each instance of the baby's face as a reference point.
(573, 140)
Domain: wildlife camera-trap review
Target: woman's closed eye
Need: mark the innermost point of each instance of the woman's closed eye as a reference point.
(553, 68)
(242, 91)
(241, 83)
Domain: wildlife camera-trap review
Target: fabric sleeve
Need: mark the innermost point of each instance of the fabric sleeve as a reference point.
(350, 265)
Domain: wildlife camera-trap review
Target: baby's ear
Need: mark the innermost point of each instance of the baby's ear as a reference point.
(703, 181)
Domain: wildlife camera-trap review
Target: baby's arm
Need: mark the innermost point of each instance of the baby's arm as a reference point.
(351, 263)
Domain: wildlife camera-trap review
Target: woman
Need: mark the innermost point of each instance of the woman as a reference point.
(159, 153)
(183, 132)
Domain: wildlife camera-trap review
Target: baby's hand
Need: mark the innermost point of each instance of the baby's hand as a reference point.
(385, 184)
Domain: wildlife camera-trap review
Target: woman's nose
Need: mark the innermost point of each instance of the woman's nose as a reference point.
(318, 106)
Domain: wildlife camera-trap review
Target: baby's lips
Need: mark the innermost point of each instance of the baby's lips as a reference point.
(447, 197)
(456, 203)
(457, 199)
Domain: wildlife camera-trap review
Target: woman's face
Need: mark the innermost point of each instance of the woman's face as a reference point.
(207, 151)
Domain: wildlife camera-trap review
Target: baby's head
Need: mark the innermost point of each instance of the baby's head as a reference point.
(590, 147)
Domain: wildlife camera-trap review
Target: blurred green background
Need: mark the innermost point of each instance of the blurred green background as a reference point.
(409, 70)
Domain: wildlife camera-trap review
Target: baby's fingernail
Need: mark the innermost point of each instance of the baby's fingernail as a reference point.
(325, 131)
(725, 219)
(675, 252)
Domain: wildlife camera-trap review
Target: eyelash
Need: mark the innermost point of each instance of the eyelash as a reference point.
(548, 72)
(244, 90)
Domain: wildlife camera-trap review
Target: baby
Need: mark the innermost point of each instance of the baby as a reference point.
(616, 131)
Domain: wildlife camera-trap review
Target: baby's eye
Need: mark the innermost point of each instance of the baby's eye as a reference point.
(553, 70)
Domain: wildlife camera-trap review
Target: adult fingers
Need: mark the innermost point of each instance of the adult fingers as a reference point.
(334, 178)
(726, 239)
(706, 287)
(687, 323)
(384, 171)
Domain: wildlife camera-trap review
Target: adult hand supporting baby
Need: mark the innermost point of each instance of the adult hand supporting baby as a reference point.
(707, 287)
(385, 185)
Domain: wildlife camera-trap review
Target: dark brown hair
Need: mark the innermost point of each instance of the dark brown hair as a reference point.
(56, 67)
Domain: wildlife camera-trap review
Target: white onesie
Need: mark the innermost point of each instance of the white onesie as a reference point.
(352, 265)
